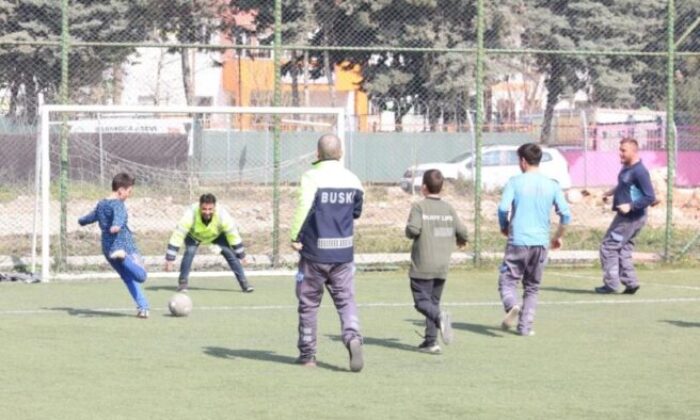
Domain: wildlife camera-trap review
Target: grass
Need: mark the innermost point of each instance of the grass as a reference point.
(75, 351)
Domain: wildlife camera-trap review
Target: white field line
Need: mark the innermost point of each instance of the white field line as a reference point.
(176, 274)
(611, 301)
(670, 286)
(673, 286)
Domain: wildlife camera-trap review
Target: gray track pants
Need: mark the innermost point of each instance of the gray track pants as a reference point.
(526, 263)
(616, 252)
(339, 280)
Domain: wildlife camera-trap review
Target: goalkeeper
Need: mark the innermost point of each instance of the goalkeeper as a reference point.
(204, 223)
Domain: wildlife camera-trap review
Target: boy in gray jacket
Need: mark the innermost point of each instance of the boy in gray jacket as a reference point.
(434, 226)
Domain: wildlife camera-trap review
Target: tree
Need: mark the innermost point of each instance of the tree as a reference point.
(403, 79)
(574, 25)
(651, 81)
(298, 22)
(411, 78)
(189, 22)
(28, 70)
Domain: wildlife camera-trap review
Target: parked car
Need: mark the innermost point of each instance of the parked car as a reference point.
(498, 164)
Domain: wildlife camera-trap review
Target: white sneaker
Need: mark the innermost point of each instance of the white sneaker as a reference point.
(119, 254)
(511, 318)
(142, 313)
(357, 361)
(446, 328)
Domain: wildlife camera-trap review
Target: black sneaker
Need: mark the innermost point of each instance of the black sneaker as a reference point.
(605, 290)
(306, 361)
(182, 287)
(630, 290)
(355, 349)
(429, 347)
(248, 288)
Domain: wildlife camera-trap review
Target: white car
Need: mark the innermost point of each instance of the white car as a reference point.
(498, 165)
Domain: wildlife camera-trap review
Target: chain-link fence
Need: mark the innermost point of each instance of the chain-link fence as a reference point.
(457, 83)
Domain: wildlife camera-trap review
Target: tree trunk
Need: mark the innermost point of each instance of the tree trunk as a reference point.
(159, 72)
(327, 68)
(187, 76)
(554, 88)
(14, 97)
(118, 87)
(307, 99)
(30, 97)
(294, 72)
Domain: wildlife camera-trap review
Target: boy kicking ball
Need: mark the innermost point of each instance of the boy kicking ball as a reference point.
(118, 244)
(433, 225)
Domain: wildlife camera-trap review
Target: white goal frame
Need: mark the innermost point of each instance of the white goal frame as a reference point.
(43, 166)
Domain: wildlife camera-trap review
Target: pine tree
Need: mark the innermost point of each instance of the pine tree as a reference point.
(30, 70)
(621, 25)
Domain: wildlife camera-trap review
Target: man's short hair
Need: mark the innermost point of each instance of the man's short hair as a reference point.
(531, 152)
(122, 180)
(433, 180)
(329, 147)
(207, 199)
(629, 140)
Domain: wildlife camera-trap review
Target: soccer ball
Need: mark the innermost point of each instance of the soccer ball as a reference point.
(180, 304)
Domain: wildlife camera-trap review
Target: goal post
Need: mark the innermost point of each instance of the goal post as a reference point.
(209, 155)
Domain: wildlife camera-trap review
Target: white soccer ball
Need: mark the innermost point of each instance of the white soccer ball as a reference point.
(180, 304)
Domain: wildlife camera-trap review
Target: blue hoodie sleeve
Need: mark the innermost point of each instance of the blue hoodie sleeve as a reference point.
(88, 218)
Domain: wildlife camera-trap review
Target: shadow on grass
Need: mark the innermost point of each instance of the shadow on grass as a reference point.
(90, 313)
(567, 290)
(263, 355)
(487, 330)
(174, 289)
(391, 343)
(682, 324)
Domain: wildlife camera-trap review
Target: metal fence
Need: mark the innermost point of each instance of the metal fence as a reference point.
(420, 80)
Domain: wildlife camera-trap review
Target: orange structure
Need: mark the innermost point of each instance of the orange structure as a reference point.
(249, 81)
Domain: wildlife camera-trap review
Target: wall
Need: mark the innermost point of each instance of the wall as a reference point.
(603, 167)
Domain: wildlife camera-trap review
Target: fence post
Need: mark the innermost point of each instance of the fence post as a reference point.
(479, 128)
(670, 134)
(65, 47)
(277, 101)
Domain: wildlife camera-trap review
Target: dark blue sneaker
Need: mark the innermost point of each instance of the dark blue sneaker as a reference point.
(630, 290)
(429, 347)
(605, 290)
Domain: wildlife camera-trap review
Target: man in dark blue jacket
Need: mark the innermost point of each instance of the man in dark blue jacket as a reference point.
(631, 197)
(330, 199)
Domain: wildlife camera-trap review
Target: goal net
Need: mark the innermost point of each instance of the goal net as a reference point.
(247, 157)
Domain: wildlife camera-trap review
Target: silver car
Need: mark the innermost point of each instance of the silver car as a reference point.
(498, 165)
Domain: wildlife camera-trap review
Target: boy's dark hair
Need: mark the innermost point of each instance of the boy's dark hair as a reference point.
(433, 180)
(207, 199)
(122, 180)
(629, 140)
(531, 152)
